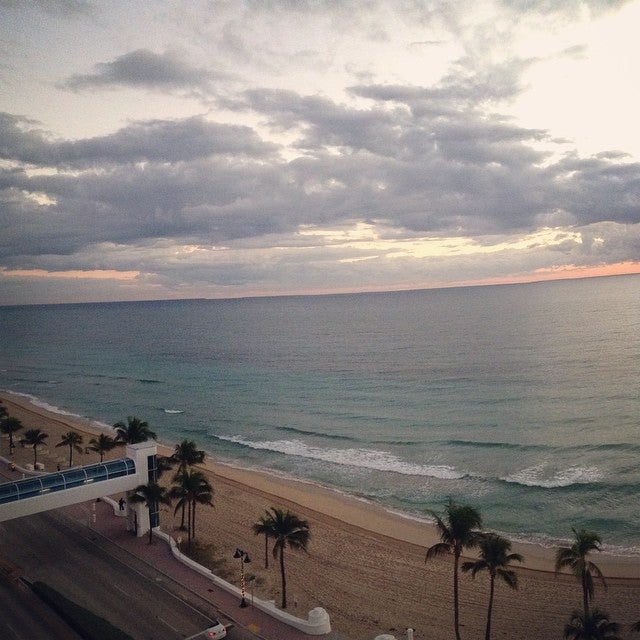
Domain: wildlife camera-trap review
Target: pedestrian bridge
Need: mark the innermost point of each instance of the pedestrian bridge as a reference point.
(48, 491)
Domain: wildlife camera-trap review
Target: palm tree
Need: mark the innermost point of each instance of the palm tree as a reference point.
(34, 438)
(287, 529)
(458, 531)
(575, 557)
(102, 444)
(263, 527)
(73, 440)
(191, 488)
(134, 431)
(494, 558)
(10, 425)
(185, 455)
(636, 626)
(591, 626)
(151, 494)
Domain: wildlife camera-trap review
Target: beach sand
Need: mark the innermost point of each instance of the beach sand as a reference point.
(365, 565)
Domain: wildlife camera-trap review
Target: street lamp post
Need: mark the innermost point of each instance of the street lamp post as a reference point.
(244, 559)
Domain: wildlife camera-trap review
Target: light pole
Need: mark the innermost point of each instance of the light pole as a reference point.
(244, 559)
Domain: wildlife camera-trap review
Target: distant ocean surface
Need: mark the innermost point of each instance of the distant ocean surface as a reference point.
(522, 400)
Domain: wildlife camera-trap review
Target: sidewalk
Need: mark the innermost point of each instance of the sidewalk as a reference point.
(158, 555)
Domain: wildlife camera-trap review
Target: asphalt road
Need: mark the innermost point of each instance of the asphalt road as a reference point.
(25, 617)
(102, 578)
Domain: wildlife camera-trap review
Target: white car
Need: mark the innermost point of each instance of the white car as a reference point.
(216, 631)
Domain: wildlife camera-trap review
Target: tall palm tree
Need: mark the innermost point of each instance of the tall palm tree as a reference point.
(592, 626)
(191, 488)
(185, 455)
(10, 425)
(495, 559)
(263, 528)
(73, 440)
(34, 438)
(134, 431)
(151, 494)
(102, 444)
(288, 530)
(458, 531)
(575, 558)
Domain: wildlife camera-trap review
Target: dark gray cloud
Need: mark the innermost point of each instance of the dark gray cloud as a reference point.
(155, 140)
(195, 181)
(142, 68)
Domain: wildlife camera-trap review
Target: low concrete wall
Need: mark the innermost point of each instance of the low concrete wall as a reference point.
(317, 623)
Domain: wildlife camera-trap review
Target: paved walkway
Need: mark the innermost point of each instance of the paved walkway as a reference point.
(159, 556)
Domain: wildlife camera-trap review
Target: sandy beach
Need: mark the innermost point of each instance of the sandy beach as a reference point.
(365, 566)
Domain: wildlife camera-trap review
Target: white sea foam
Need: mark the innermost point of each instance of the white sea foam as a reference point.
(541, 476)
(173, 410)
(363, 458)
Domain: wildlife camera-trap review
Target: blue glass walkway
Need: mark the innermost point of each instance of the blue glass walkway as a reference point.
(62, 480)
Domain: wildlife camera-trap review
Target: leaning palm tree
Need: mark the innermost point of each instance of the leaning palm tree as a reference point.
(575, 558)
(592, 626)
(458, 531)
(134, 431)
(263, 528)
(185, 455)
(34, 438)
(288, 530)
(495, 559)
(10, 425)
(73, 440)
(191, 488)
(102, 444)
(151, 494)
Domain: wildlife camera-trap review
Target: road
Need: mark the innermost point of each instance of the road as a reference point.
(99, 576)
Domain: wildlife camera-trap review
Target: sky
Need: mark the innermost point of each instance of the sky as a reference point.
(215, 149)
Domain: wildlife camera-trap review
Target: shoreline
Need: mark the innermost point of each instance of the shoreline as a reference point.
(366, 564)
(332, 503)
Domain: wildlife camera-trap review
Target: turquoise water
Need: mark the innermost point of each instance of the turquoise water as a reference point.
(522, 400)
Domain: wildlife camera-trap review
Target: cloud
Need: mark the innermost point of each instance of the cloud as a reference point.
(375, 151)
(145, 69)
(154, 140)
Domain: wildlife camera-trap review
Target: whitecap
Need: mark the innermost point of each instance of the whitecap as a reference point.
(540, 476)
(362, 458)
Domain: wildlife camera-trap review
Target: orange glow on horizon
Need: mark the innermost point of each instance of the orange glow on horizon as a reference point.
(563, 272)
(96, 274)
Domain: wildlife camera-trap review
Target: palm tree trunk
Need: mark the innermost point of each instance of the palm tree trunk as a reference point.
(70, 456)
(182, 518)
(585, 594)
(456, 612)
(492, 584)
(188, 506)
(193, 520)
(283, 578)
(266, 550)
(35, 455)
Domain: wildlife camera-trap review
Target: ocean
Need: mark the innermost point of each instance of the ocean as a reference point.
(522, 400)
